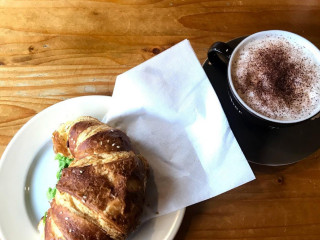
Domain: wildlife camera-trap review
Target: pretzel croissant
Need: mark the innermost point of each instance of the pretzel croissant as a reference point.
(100, 196)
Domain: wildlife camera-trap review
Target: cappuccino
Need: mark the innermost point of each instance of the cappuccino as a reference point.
(278, 77)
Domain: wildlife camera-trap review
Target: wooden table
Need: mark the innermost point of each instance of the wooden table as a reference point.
(55, 50)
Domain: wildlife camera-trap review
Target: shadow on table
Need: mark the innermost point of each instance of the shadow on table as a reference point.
(280, 183)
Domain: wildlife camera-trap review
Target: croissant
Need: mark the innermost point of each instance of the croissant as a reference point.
(100, 196)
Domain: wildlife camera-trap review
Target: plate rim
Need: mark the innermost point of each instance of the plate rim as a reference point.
(179, 213)
(35, 117)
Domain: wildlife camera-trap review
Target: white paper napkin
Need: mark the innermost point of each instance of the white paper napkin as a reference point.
(169, 109)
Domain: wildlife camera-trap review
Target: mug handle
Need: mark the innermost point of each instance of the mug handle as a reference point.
(220, 51)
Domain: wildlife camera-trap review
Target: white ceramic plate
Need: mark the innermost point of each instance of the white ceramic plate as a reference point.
(28, 168)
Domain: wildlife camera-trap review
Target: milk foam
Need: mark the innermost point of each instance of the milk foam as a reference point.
(277, 77)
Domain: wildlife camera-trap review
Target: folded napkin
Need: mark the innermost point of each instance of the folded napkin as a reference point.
(169, 109)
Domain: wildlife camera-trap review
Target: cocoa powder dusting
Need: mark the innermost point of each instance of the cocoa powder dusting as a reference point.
(277, 79)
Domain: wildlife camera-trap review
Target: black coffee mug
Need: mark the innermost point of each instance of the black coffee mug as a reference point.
(222, 52)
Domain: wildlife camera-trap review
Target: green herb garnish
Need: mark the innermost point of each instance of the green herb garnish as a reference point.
(45, 217)
(64, 162)
(51, 193)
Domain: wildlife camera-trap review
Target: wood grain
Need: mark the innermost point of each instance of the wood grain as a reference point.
(282, 203)
(55, 50)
